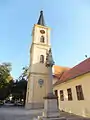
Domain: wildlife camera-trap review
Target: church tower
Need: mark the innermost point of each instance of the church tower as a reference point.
(38, 72)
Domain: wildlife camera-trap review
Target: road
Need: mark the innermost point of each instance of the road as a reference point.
(17, 113)
(10, 112)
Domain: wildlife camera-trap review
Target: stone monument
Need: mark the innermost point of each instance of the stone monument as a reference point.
(50, 101)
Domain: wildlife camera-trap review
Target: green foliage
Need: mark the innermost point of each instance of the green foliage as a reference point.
(5, 78)
(19, 89)
(24, 74)
(5, 69)
(8, 86)
(20, 86)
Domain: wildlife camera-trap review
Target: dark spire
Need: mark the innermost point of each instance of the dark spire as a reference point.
(41, 19)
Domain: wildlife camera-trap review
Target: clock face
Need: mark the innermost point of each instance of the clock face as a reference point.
(42, 31)
(40, 82)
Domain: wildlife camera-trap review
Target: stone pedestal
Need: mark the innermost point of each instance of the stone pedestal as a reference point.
(50, 101)
(50, 106)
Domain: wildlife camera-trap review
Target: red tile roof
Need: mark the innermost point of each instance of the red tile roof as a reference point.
(82, 68)
(59, 69)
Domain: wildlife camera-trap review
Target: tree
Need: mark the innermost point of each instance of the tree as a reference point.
(5, 75)
(24, 74)
(5, 78)
(20, 86)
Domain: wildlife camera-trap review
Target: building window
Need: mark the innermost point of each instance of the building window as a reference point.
(56, 93)
(69, 94)
(79, 92)
(42, 39)
(42, 59)
(61, 95)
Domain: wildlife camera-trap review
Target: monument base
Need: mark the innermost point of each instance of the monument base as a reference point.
(50, 106)
(34, 106)
(51, 111)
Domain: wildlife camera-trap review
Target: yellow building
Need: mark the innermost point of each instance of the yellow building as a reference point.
(73, 89)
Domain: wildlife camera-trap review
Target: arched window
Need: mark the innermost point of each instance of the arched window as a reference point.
(42, 39)
(41, 58)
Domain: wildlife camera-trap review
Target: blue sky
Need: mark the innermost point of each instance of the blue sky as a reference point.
(69, 21)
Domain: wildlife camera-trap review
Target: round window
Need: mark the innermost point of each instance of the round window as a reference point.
(42, 31)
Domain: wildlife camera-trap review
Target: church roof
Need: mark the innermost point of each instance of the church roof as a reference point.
(59, 69)
(41, 19)
(80, 69)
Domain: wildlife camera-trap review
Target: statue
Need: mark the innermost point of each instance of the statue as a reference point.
(49, 59)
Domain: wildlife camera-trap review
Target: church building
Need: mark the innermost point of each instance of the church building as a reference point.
(70, 85)
(38, 72)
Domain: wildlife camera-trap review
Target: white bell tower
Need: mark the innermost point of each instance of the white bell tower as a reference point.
(38, 72)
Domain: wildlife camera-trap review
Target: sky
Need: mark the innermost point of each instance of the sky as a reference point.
(69, 21)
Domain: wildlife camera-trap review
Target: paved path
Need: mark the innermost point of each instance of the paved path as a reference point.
(15, 113)
(19, 113)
